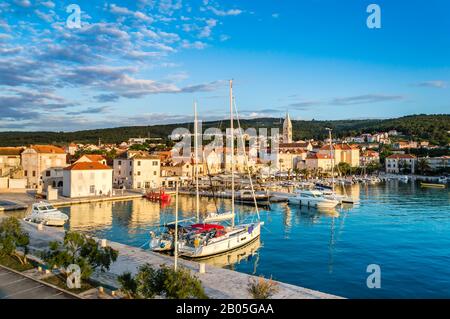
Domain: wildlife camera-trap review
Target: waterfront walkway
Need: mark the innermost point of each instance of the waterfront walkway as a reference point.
(219, 283)
(22, 200)
(14, 285)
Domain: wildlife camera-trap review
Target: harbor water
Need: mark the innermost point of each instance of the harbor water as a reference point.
(401, 227)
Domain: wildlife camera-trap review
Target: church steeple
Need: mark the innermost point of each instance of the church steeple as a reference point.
(287, 129)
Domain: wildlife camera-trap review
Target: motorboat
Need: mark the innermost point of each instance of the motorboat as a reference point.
(312, 198)
(245, 196)
(45, 213)
(433, 185)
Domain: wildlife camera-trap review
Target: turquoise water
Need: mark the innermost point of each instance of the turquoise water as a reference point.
(400, 227)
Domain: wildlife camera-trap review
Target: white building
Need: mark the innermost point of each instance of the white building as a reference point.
(137, 170)
(37, 159)
(396, 162)
(85, 179)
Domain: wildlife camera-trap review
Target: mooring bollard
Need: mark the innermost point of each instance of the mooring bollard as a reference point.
(103, 243)
(40, 226)
(202, 268)
(113, 293)
(101, 290)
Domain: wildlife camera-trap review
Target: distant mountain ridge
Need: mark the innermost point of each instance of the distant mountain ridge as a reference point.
(434, 128)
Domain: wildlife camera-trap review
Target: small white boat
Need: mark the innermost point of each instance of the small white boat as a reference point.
(217, 217)
(45, 213)
(442, 180)
(161, 243)
(404, 178)
(313, 198)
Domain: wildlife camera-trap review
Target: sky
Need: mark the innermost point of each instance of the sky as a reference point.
(144, 62)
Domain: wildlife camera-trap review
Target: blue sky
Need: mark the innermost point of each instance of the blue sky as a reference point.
(145, 61)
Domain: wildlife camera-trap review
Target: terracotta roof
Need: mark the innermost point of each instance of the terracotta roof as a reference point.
(48, 149)
(292, 145)
(11, 151)
(95, 157)
(398, 156)
(83, 166)
(339, 147)
(318, 156)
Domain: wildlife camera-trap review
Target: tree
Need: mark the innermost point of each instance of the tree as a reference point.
(403, 167)
(423, 166)
(80, 250)
(165, 281)
(373, 167)
(344, 168)
(12, 238)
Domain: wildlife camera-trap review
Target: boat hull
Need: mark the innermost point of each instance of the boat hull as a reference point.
(313, 203)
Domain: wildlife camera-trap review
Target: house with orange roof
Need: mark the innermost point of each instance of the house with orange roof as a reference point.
(342, 153)
(318, 161)
(38, 159)
(137, 170)
(92, 158)
(85, 179)
(71, 149)
(396, 163)
(10, 161)
(369, 156)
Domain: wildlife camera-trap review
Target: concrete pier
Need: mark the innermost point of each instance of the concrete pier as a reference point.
(21, 201)
(219, 283)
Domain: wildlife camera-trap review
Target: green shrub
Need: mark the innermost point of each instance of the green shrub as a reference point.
(128, 285)
(261, 288)
(165, 281)
(80, 250)
(12, 238)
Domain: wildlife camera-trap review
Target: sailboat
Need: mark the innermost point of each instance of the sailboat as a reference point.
(210, 240)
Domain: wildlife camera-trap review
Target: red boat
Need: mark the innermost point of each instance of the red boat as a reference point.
(160, 196)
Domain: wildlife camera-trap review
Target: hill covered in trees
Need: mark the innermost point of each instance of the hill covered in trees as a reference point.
(433, 128)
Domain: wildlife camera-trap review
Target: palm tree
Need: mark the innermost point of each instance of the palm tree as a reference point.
(423, 166)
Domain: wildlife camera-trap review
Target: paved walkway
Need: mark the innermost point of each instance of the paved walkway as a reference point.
(218, 282)
(17, 286)
(21, 201)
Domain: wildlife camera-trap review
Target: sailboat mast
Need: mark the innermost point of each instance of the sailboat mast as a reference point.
(331, 158)
(176, 229)
(197, 205)
(232, 149)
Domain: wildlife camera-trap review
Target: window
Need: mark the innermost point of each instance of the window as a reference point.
(139, 173)
(155, 163)
(139, 163)
(131, 173)
(154, 173)
(119, 162)
(92, 189)
(26, 173)
(34, 173)
(47, 173)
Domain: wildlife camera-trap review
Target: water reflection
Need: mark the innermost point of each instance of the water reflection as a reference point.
(400, 226)
(247, 254)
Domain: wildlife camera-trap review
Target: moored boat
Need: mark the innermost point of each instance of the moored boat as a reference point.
(312, 198)
(45, 213)
(432, 185)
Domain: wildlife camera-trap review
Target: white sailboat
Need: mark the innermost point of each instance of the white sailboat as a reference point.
(207, 239)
